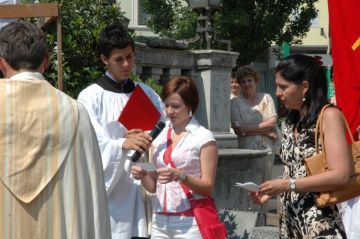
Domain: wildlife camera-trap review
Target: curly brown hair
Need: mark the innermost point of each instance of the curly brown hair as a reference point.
(247, 71)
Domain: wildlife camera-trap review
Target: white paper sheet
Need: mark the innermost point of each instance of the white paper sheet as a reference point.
(147, 166)
(250, 186)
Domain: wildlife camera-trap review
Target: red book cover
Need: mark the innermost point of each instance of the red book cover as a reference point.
(139, 112)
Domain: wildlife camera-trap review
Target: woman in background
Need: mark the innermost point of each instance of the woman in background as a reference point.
(253, 114)
(194, 152)
(302, 88)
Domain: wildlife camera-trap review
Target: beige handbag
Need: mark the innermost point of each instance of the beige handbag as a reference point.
(318, 164)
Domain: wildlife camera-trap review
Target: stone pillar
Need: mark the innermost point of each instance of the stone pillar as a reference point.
(140, 50)
(174, 72)
(137, 70)
(156, 73)
(212, 75)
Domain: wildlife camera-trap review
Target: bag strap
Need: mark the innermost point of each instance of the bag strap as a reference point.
(319, 128)
(168, 161)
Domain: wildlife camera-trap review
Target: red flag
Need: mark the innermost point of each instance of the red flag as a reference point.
(139, 112)
(345, 44)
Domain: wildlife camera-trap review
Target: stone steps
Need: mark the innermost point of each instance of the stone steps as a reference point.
(266, 232)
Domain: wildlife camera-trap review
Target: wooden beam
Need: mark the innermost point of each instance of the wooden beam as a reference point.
(47, 21)
(29, 10)
(59, 53)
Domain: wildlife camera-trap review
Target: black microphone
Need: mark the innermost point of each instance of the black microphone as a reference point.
(154, 133)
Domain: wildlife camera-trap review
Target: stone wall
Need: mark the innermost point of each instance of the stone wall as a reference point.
(209, 68)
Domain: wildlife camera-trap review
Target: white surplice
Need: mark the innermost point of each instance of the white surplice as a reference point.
(50, 165)
(351, 217)
(126, 206)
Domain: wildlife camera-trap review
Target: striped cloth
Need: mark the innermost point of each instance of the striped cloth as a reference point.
(50, 165)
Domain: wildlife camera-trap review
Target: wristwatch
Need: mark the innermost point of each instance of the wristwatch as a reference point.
(182, 177)
(292, 185)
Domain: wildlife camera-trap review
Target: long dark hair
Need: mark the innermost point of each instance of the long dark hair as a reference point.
(299, 68)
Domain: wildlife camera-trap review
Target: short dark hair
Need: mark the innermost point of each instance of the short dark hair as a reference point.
(23, 45)
(247, 71)
(185, 87)
(114, 36)
(298, 68)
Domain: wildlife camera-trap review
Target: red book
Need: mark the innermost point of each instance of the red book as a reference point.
(139, 112)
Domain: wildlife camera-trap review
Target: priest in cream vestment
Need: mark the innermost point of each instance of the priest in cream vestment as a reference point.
(50, 165)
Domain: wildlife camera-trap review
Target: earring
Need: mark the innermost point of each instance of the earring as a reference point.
(304, 98)
(190, 113)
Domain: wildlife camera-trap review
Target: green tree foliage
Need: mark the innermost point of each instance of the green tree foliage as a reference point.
(170, 18)
(82, 22)
(251, 25)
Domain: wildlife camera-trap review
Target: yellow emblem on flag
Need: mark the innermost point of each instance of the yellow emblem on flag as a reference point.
(356, 44)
